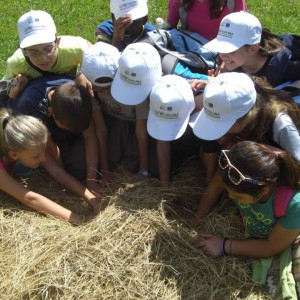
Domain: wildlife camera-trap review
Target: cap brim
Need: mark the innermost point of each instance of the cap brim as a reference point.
(209, 129)
(126, 93)
(165, 131)
(136, 13)
(37, 39)
(220, 46)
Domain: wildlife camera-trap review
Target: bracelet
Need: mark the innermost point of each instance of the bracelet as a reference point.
(144, 173)
(223, 251)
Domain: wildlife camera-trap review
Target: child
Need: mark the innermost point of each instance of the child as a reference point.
(251, 174)
(129, 23)
(139, 67)
(66, 109)
(245, 47)
(99, 66)
(121, 127)
(171, 103)
(42, 52)
(238, 108)
(24, 139)
(202, 16)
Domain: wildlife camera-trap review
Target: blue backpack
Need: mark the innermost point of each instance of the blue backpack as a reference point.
(178, 45)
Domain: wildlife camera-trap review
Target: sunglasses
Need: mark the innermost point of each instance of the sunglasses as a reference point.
(47, 51)
(235, 176)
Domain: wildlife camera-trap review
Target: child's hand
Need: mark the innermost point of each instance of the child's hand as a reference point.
(17, 86)
(120, 26)
(211, 245)
(83, 81)
(197, 84)
(99, 204)
(217, 71)
(95, 187)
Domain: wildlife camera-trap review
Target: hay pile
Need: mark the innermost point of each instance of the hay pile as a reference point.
(137, 249)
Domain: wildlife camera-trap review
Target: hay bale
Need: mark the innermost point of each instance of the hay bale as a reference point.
(138, 248)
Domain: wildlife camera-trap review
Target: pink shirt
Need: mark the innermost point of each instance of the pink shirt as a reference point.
(198, 17)
(10, 168)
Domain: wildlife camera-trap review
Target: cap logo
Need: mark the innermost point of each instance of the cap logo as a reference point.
(227, 25)
(126, 6)
(168, 108)
(212, 114)
(163, 114)
(130, 78)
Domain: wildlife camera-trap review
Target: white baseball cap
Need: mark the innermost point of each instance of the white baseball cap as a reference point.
(139, 68)
(136, 8)
(36, 27)
(236, 30)
(171, 103)
(226, 98)
(100, 60)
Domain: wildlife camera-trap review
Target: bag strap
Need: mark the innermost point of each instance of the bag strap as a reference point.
(168, 64)
(231, 5)
(190, 58)
(182, 17)
(282, 198)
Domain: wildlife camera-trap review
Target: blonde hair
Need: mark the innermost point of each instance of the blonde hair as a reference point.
(20, 133)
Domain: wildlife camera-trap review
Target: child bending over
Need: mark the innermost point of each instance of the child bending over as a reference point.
(24, 139)
(252, 173)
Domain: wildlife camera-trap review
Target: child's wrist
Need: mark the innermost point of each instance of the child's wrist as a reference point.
(223, 247)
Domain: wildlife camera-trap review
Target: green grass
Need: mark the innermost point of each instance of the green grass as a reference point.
(81, 17)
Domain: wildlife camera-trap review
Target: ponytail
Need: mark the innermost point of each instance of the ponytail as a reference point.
(20, 133)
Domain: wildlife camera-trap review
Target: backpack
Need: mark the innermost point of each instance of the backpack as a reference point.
(178, 45)
(183, 13)
(279, 61)
(283, 196)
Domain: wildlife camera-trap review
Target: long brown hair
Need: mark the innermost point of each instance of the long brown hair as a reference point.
(216, 6)
(270, 165)
(270, 43)
(269, 103)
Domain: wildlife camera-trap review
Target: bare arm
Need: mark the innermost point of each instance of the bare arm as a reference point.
(278, 240)
(68, 181)
(120, 26)
(92, 158)
(34, 200)
(211, 195)
(164, 160)
(101, 132)
(142, 141)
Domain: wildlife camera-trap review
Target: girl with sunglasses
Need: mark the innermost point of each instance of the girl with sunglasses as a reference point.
(251, 174)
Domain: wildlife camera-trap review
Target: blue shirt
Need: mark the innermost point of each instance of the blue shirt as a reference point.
(34, 102)
(105, 32)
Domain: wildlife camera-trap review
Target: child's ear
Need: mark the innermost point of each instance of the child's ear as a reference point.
(12, 155)
(253, 49)
(58, 41)
(265, 192)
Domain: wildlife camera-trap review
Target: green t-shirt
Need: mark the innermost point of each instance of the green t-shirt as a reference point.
(259, 218)
(70, 53)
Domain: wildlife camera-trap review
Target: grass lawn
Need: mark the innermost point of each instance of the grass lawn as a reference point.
(138, 248)
(82, 17)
